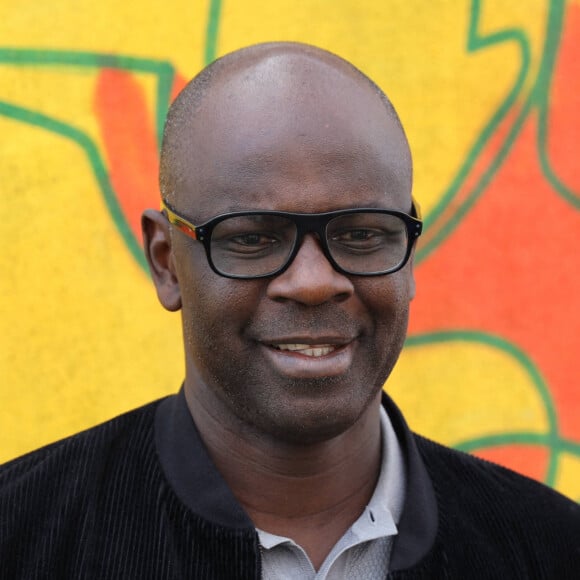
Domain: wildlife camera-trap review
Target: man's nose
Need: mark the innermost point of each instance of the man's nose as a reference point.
(310, 279)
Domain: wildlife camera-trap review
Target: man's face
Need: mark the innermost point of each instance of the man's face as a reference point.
(302, 355)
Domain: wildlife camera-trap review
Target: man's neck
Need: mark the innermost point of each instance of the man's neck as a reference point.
(309, 493)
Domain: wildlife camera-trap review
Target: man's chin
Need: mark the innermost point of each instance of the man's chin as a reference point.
(310, 423)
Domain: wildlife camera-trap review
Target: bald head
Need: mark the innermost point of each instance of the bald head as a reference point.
(288, 73)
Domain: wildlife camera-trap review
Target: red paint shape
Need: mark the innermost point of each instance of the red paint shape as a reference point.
(527, 459)
(564, 107)
(127, 127)
(511, 269)
(179, 83)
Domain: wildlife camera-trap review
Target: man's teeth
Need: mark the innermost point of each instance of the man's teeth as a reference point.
(308, 349)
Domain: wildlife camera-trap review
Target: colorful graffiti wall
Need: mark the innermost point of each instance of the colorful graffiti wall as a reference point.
(489, 94)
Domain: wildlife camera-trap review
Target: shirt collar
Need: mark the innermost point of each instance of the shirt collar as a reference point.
(386, 504)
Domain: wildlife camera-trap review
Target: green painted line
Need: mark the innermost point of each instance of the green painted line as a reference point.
(524, 361)
(555, 446)
(47, 57)
(211, 33)
(444, 232)
(40, 120)
(163, 70)
(165, 74)
(565, 192)
(519, 438)
(541, 95)
(538, 97)
(475, 42)
(163, 100)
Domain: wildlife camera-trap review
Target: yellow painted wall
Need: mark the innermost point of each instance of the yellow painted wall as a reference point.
(488, 93)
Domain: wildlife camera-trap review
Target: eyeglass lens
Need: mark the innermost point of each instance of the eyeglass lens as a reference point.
(260, 244)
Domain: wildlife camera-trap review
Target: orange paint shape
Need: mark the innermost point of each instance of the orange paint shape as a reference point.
(530, 460)
(179, 83)
(128, 132)
(510, 269)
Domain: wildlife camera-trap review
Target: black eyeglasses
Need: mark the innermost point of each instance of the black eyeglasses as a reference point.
(256, 244)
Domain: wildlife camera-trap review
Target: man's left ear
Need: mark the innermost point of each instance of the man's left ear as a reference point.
(158, 251)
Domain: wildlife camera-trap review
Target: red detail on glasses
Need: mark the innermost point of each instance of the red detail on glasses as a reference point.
(186, 230)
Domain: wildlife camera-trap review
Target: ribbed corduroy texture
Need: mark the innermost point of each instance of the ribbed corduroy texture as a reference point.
(496, 524)
(98, 506)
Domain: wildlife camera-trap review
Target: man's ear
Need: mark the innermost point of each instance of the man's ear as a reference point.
(157, 246)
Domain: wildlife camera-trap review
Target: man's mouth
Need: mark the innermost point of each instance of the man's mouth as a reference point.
(313, 350)
(310, 357)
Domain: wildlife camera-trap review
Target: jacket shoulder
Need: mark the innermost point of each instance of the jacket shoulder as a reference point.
(72, 460)
(60, 503)
(488, 513)
(472, 479)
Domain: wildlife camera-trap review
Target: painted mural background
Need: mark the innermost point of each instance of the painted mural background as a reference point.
(489, 94)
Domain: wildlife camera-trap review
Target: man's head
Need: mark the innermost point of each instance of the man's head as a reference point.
(301, 355)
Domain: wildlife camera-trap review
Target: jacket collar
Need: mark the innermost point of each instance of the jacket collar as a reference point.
(418, 523)
(198, 484)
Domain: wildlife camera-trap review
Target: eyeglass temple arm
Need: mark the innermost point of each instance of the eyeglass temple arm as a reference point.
(415, 208)
(187, 228)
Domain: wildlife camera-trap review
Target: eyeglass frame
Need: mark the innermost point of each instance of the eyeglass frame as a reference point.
(305, 223)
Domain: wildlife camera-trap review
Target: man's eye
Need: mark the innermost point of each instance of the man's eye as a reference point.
(253, 239)
(249, 244)
(360, 237)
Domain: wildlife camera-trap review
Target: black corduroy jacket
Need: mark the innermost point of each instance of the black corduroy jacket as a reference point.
(139, 498)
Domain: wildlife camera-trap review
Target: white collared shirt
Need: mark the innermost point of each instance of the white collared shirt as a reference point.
(363, 552)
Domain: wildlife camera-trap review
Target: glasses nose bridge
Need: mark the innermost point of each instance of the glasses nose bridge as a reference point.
(307, 224)
(311, 224)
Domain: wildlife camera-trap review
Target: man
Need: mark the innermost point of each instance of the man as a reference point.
(286, 240)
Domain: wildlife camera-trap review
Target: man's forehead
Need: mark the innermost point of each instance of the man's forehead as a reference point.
(290, 73)
(269, 103)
